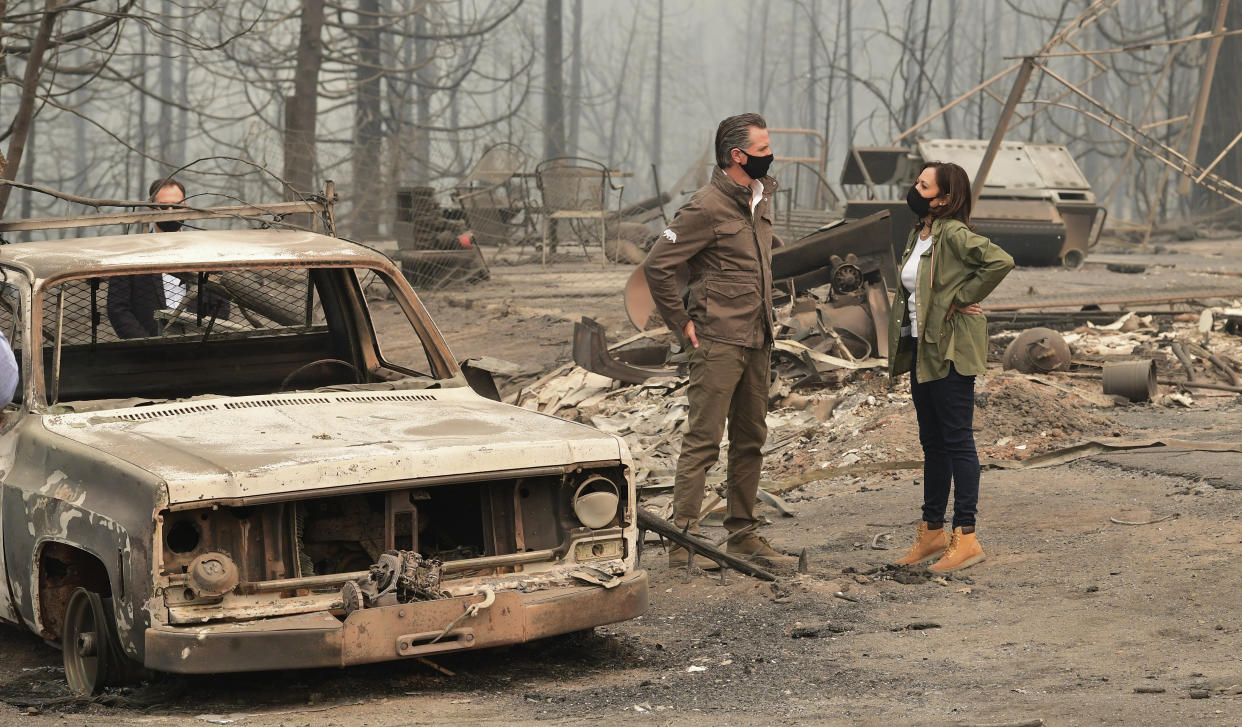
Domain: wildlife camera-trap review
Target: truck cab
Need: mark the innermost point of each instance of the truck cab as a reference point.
(284, 469)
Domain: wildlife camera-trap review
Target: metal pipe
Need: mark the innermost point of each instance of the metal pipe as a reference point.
(284, 584)
(1216, 361)
(1168, 382)
(1180, 352)
(1206, 35)
(1201, 385)
(1072, 28)
(178, 213)
(1002, 125)
(863, 168)
(949, 106)
(452, 566)
(1205, 91)
(493, 561)
(1158, 149)
(1183, 296)
(60, 331)
(1208, 169)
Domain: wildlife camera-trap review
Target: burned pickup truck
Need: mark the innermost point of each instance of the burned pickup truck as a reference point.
(289, 471)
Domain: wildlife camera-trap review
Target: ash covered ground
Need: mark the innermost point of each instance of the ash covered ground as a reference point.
(1075, 618)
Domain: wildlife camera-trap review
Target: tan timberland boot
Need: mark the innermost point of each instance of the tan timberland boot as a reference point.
(928, 544)
(753, 547)
(963, 551)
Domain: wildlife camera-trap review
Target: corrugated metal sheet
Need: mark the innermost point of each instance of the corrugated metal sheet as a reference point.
(1018, 165)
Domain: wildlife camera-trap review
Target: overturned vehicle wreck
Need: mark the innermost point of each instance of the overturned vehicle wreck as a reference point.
(290, 471)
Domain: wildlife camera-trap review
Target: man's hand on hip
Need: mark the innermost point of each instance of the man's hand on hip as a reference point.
(689, 331)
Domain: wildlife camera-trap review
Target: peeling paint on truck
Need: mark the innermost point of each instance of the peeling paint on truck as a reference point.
(220, 528)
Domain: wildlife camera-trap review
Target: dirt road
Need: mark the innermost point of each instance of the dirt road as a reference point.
(1074, 619)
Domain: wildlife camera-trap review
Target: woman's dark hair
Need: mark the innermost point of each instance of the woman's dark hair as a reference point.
(953, 181)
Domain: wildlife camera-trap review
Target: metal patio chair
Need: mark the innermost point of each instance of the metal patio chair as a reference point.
(576, 189)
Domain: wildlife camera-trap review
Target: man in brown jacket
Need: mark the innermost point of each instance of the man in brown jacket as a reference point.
(723, 237)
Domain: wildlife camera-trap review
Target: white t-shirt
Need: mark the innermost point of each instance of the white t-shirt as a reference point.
(910, 279)
(756, 194)
(174, 291)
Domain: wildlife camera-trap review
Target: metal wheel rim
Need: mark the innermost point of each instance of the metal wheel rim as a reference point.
(83, 673)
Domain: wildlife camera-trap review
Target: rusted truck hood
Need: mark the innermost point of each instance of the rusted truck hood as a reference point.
(231, 448)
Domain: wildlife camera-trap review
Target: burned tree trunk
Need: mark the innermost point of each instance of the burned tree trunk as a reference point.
(140, 183)
(368, 123)
(166, 93)
(303, 105)
(425, 81)
(26, 108)
(553, 75)
(618, 94)
(849, 71)
(575, 79)
(657, 132)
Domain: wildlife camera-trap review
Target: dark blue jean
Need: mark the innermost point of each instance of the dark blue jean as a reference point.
(946, 409)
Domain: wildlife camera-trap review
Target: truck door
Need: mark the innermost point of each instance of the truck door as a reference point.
(12, 323)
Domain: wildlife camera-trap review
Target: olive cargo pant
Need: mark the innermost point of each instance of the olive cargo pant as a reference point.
(726, 381)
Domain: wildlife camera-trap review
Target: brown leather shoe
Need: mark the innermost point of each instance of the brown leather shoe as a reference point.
(963, 551)
(928, 544)
(753, 547)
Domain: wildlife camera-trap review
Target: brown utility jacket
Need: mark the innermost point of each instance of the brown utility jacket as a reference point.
(728, 254)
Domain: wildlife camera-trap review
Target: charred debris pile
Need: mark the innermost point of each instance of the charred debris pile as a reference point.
(1056, 380)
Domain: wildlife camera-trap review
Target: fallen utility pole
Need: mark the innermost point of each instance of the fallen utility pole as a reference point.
(1077, 300)
(648, 521)
(319, 205)
(1167, 382)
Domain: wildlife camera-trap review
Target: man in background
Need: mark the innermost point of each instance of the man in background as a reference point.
(134, 299)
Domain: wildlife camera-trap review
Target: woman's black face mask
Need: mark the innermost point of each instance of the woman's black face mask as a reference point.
(918, 204)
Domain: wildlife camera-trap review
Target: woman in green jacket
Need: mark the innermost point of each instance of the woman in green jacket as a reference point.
(938, 333)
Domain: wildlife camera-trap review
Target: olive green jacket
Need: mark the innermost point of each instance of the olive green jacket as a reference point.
(960, 268)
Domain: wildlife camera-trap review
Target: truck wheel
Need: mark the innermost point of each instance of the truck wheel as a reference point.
(92, 651)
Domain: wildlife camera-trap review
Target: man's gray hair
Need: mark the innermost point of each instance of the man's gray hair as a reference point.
(734, 133)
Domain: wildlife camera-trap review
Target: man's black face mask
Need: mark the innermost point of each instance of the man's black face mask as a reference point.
(757, 167)
(167, 225)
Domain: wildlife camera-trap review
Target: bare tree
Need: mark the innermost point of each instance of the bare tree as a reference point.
(302, 105)
(553, 81)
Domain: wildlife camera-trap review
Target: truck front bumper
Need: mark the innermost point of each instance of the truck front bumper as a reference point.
(390, 632)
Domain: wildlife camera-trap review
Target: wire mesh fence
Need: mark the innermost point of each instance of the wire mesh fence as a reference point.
(175, 304)
(173, 335)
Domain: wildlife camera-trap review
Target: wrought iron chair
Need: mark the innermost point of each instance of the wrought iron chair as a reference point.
(576, 189)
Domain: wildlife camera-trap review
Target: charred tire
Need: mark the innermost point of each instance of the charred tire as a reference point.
(92, 651)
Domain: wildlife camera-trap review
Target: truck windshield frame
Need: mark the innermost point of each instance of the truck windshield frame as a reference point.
(266, 329)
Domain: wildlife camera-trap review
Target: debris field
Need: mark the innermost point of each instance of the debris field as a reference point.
(1111, 527)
